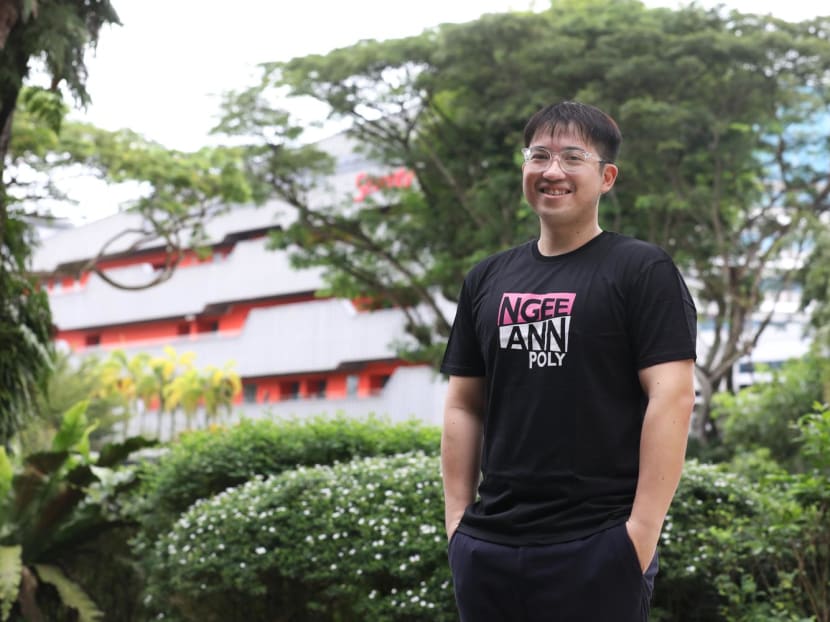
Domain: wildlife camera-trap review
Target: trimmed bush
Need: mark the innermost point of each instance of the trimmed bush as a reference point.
(363, 541)
(709, 502)
(735, 549)
(356, 541)
(206, 462)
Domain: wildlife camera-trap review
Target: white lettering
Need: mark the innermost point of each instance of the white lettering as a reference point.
(545, 359)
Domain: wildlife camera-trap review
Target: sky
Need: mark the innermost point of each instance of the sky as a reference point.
(161, 73)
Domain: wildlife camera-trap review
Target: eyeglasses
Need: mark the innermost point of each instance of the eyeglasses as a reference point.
(571, 160)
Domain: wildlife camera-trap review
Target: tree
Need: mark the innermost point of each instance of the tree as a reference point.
(763, 415)
(57, 32)
(169, 383)
(815, 277)
(179, 191)
(718, 111)
(182, 190)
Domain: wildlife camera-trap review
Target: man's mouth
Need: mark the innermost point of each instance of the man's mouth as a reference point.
(555, 192)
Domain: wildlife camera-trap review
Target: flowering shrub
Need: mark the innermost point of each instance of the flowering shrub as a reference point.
(746, 542)
(206, 462)
(356, 541)
(710, 500)
(744, 550)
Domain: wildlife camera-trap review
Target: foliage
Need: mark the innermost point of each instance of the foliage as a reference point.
(755, 546)
(168, 384)
(203, 463)
(57, 32)
(763, 415)
(72, 381)
(788, 545)
(25, 331)
(176, 192)
(816, 295)
(354, 541)
(718, 111)
(708, 501)
(52, 503)
(348, 541)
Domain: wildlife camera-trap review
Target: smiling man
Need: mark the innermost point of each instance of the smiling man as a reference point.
(571, 364)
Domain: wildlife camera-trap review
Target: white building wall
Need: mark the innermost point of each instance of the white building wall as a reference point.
(250, 271)
(304, 337)
(411, 393)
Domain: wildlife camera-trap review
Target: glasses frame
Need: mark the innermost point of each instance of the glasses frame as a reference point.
(557, 156)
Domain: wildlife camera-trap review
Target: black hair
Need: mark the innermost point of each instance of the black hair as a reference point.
(589, 122)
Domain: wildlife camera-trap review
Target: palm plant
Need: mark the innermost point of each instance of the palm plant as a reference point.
(51, 503)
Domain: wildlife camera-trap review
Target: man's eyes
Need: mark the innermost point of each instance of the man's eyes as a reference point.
(573, 156)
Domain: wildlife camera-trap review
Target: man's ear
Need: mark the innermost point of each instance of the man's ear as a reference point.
(609, 176)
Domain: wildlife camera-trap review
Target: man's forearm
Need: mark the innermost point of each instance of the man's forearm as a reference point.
(460, 463)
(662, 453)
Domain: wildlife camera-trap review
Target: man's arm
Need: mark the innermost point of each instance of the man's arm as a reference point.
(461, 446)
(671, 397)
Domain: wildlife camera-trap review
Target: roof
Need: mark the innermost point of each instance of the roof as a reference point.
(79, 244)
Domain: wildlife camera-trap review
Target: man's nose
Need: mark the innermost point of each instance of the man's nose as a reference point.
(557, 162)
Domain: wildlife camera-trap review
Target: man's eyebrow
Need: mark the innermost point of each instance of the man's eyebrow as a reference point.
(578, 147)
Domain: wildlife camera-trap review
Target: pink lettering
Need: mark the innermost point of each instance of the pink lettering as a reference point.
(525, 308)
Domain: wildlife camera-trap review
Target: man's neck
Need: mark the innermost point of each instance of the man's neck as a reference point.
(559, 242)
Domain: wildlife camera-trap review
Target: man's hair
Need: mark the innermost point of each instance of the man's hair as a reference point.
(589, 123)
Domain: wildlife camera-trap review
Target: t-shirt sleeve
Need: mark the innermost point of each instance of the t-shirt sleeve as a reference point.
(662, 316)
(463, 354)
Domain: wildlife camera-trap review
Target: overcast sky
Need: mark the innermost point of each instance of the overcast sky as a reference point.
(162, 71)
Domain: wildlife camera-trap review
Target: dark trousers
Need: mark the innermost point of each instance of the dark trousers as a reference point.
(596, 579)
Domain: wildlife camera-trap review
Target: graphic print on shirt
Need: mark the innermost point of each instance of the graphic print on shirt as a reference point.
(537, 324)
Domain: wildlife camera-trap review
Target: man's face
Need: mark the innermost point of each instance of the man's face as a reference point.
(571, 198)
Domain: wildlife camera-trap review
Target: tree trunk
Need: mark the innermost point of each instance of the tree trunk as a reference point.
(702, 417)
(9, 14)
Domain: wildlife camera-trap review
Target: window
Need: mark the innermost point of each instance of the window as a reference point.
(316, 388)
(249, 393)
(289, 390)
(93, 339)
(377, 382)
(352, 383)
(207, 326)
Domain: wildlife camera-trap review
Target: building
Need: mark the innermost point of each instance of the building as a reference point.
(297, 353)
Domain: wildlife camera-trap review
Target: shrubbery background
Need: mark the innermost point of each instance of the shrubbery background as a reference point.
(334, 520)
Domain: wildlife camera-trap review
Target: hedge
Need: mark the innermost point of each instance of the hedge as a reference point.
(203, 463)
(361, 540)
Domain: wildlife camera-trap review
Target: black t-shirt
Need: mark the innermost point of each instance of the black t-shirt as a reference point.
(560, 341)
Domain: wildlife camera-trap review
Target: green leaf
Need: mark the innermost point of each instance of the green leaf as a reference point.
(70, 592)
(113, 453)
(29, 10)
(46, 462)
(6, 473)
(11, 566)
(73, 428)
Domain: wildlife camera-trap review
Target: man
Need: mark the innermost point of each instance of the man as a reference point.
(571, 388)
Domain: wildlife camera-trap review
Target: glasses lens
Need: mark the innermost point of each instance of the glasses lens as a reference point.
(570, 160)
(537, 158)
